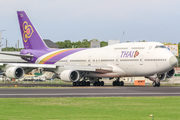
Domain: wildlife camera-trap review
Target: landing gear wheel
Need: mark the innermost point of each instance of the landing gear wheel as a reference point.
(77, 84)
(98, 83)
(74, 83)
(114, 83)
(82, 83)
(88, 83)
(102, 83)
(154, 84)
(158, 84)
(118, 83)
(122, 83)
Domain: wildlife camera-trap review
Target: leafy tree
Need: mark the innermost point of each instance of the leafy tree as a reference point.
(68, 44)
(85, 43)
(61, 44)
(11, 49)
(94, 40)
(76, 44)
(103, 43)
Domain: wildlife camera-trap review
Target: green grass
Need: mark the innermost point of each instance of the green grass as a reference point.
(90, 108)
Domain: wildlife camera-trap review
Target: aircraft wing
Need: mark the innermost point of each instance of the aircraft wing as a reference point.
(28, 65)
(100, 69)
(19, 55)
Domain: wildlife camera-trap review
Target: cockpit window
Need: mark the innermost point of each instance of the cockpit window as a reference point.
(160, 46)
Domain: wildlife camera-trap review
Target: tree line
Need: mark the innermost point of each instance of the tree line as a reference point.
(79, 44)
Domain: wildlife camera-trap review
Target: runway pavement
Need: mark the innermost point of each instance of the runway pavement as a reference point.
(89, 92)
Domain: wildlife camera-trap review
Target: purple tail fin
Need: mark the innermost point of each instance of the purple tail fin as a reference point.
(30, 36)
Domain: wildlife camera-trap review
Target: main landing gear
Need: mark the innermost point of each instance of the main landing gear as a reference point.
(118, 83)
(98, 83)
(81, 83)
(156, 84)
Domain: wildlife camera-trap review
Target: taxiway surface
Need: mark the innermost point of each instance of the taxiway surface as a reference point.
(89, 92)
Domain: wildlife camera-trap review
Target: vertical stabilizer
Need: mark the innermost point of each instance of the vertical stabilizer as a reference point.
(30, 36)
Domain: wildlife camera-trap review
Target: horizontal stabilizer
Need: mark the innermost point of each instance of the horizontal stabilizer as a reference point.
(18, 55)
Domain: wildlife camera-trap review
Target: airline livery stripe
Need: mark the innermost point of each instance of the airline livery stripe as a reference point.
(43, 61)
(56, 56)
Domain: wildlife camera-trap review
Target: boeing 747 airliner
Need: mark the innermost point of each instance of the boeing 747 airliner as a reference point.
(83, 66)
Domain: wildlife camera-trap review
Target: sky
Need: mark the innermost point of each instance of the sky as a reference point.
(59, 20)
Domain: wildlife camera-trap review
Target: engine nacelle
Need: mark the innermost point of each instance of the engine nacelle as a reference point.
(171, 73)
(70, 75)
(156, 77)
(14, 72)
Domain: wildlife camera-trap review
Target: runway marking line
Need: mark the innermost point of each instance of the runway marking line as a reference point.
(63, 94)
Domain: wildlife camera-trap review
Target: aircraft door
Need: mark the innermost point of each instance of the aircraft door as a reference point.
(89, 61)
(141, 60)
(117, 60)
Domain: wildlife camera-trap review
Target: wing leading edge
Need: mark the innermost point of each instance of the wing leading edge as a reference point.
(18, 55)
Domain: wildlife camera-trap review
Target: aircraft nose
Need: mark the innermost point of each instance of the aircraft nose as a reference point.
(173, 61)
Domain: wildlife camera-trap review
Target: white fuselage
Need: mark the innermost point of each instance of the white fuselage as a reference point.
(126, 59)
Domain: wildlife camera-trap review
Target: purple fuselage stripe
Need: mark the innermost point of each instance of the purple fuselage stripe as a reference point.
(62, 55)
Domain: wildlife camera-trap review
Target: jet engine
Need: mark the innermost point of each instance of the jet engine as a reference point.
(14, 72)
(156, 77)
(170, 73)
(70, 75)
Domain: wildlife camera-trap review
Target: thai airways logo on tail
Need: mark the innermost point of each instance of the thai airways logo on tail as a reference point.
(27, 31)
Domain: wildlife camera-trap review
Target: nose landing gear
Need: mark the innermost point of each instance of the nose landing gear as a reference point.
(156, 84)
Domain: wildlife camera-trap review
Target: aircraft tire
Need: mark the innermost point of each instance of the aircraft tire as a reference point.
(122, 83)
(94, 84)
(154, 84)
(114, 83)
(77, 83)
(74, 83)
(118, 83)
(83, 83)
(98, 83)
(158, 84)
(80, 83)
(102, 83)
(88, 83)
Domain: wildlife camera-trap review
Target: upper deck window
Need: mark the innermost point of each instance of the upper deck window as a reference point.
(160, 46)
